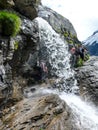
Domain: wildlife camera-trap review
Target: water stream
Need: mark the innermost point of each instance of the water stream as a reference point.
(85, 114)
(54, 50)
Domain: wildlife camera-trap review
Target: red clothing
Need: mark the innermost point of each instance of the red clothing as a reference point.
(73, 50)
(44, 67)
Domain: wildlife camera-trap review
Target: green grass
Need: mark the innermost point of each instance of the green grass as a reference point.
(79, 63)
(9, 23)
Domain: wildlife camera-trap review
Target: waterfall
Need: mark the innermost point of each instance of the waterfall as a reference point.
(53, 49)
(85, 115)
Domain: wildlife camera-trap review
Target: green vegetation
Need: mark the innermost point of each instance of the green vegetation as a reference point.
(87, 56)
(16, 44)
(79, 63)
(70, 38)
(9, 23)
(66, 34)
(73, 41)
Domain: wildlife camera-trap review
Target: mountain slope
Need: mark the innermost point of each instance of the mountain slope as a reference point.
(92, 43)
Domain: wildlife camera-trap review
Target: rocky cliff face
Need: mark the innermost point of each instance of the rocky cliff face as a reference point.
(58, 22)
(22, 61)
(36, 110)
(88, 80)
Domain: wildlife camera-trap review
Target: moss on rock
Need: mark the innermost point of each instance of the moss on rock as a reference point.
(9, 23)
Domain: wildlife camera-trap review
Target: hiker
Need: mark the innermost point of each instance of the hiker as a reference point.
(73, 57)
(72, 50)
(44, 70)
(81, 52)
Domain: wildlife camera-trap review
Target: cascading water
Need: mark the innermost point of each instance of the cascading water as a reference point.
(85, 115)
(54, 50)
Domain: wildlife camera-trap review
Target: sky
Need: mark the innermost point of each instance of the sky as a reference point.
(83, 14)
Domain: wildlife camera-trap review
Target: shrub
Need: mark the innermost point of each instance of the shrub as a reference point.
(71, 42)
(9, 23)
(79, 62)
(66, 34)
(87, 56)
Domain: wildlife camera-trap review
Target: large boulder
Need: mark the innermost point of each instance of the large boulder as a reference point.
(43, 112)
(87, 76)
(27, 7)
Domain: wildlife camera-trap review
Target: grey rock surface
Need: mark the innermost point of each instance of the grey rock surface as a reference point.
(58, 22)
(27, 7)
(87, 76)
(46, 112)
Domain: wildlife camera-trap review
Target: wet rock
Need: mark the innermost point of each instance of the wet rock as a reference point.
(5, 85)
(46, 112)
(87, 76)
(25, 57)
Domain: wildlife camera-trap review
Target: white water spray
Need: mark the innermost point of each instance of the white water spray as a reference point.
(54, 50)
(85, 116)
